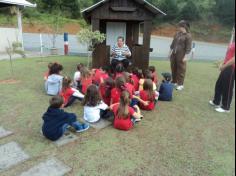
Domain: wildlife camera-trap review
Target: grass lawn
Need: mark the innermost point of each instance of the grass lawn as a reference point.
(182, 138)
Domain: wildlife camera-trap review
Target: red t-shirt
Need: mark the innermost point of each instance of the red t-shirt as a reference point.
(67, 94)
(155, 78)
(102, 90)
(99, 75)
(118, 75)
(115, 95)
(130, 89)
(230, 53)
(123, 123)
(144, 97)
(85, 84)
(136, 82)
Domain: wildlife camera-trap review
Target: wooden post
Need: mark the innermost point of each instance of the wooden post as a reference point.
(19, 20)
(146, 43)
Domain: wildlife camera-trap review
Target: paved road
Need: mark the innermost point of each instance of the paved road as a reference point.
(204, 51)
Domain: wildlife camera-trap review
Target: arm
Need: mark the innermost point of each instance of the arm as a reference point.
(128, 52)
(77, 94)
(188, 47)
(145, 103)
(228, 64)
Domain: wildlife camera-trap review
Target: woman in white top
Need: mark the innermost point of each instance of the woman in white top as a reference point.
(94, 107)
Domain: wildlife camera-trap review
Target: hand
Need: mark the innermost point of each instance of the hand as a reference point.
(185, 59)
(222, 67)
(146, 103)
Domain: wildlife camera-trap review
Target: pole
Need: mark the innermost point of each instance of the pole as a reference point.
(41, 44)
(19, 20)
(66, 44)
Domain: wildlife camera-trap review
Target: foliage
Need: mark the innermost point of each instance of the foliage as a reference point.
(190, 11)
(14, 48)
(90, 38)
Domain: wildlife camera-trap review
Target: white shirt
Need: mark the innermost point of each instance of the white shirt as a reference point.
(92, 114)
(77, 77)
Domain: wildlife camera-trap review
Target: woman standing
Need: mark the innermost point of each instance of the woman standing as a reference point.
(225, 83)
(179, 53)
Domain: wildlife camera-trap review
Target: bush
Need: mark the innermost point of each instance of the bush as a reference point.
(190, 11)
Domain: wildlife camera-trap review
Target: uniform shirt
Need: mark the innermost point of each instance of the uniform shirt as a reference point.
(230, 53)
(120, 52)
(115, 95)
(102, 91)
(85, 84)
(144, 96)
(123, 123)
(136, 82)
(182, 43)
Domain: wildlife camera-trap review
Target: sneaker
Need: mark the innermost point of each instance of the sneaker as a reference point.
(221, 110)
(83, 127)
(180, 88)
(213, 104)
(137, 120)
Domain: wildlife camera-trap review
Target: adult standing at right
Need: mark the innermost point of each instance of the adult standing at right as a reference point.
(225, 83)
(179, 54)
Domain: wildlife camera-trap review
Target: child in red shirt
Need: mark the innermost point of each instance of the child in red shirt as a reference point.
(125, 116)
(117, 91)
(86, 79)
(119, 71)
(68, 93)
(152, 69)
(129, 84)
(105, 90)
(148, 97)
(135, 76)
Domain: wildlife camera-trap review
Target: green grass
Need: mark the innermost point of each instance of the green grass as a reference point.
(182, 138)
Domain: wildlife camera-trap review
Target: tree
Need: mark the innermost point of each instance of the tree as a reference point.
(190, 11)
(14, 48)
(90, 38)
(171, 8)
(225, 11)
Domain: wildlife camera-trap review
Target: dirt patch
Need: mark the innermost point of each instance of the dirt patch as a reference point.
(71, 28)
(9, 81)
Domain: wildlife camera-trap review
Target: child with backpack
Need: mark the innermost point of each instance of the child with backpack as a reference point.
(54, 82)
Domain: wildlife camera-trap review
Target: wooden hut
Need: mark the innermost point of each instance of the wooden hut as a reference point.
(122, 18)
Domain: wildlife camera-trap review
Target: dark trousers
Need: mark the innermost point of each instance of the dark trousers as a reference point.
(178, 67)
(106, 114)
(224, 88)
(124, 62)
(72, 99)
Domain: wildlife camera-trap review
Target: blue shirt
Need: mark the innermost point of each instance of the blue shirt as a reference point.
(166, 91)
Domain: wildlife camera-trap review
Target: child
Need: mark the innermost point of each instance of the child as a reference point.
(135, 78)
(100, 75)
(129, 83)
(125, 116)
(94, 107)
(152, 69)
(166, 89)
(56, 121)
(148, 97)
(77, 76)
(68, 93)
(147, 75)
(105, 90)
(119, 71)
(86, 79)
(47, 73)
(54, 82)
(117, 91)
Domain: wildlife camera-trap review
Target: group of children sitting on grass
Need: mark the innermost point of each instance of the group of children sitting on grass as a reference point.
(118, 95)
